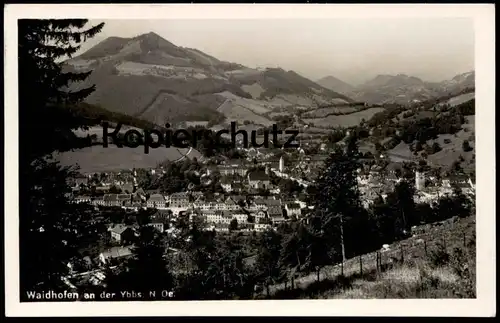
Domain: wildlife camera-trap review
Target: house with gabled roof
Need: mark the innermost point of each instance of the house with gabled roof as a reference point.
(275, 213)
(156, 201)
(82, 199)
(111, 200)
(159, 226)
(124, 199)
(226, 184)
(98, 201)
(121, 233)
(179, 200)
(293, 209)
(258, 179)
(114, 254)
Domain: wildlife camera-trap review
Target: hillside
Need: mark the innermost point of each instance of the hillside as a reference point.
(440, 131)
(150, 78)
(335, 84)
(432, 264)
(401, 88)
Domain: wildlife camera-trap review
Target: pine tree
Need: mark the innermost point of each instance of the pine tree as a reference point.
(268, 257)
(402, 207)
(337, 202)
(45, 98)
(49, 225)
(148, 269)
(294, 250)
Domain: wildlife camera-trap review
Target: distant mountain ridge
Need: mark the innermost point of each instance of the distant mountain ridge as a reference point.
(335, 84)
(151, 78)
(402, 88)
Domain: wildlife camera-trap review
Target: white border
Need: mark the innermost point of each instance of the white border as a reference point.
(484, 305)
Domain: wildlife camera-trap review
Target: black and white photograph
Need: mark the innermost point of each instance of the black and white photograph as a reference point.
(165, 154)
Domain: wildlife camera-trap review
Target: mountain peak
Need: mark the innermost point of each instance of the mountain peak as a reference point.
(150, 35)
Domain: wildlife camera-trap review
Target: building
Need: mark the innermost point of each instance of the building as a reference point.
(282, 165)
(260, 216)
(115, 253)
(121, 233)
(419, 181)
(82, 199)
(156, 201)
(275, 212)
(179, 200)
(123, 199)
(240, 217)
(213, 216)
(269, 202)
(259, 180)
(103, 189)
(160, 226)
(293, 209)
(260, 227)
(111, 200)
(98, 201)
(226, 184)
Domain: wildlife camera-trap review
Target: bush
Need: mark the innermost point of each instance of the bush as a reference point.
(466, 146)
(439, 257)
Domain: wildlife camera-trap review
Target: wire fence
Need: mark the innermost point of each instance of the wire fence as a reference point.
(418, 247)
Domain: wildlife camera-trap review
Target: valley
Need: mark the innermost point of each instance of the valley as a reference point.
(152, 80)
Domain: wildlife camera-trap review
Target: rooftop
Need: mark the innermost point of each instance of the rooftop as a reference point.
(117, 252)
(119, 228)
(259, 175)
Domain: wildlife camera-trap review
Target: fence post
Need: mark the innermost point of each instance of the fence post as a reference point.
(378, 258)
(465, 240)
(360, 265)
(342, 268)
(425, 247)
(444, 243)
(402, 254)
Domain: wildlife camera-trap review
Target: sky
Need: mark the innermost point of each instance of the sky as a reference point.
(353, 50)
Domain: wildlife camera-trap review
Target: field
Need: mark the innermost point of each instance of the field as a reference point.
(348, 120)
(400, 153)
(255, 90)
(100, 159)
(453, 150)
(232, 111)
(256, 106)
(460, 99)
(438, 263)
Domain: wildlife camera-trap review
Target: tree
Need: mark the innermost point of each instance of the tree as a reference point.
(337, 202)
(144, 179)
(49, 224)
(466, 146)
(402, 207)
(115, 190)
(418, 146)
(233, 225)
(45, 111)
(436, 148)
(267, 262)
(294, 249)
(148, 269)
